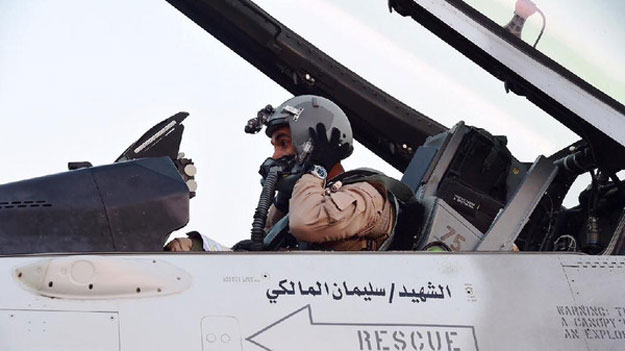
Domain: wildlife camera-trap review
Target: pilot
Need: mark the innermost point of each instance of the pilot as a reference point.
(329, 208)
(324, 210)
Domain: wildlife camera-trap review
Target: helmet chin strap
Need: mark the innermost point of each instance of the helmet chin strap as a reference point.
(335, 170)
(304, 154)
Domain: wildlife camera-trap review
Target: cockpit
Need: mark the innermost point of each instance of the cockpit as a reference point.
(468, 150)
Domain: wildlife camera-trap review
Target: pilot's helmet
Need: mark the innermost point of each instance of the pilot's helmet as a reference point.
(305, 111)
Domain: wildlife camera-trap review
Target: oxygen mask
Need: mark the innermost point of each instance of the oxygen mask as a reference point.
(280, 175)
(283, 165)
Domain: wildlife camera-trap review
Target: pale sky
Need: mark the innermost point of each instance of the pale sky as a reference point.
(81, 80)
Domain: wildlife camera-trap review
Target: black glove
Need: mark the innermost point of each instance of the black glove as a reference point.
(326, 153)
(243, 245)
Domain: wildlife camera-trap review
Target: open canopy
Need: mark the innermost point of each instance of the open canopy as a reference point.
(593, 115)
(382, 123)
(385, 125)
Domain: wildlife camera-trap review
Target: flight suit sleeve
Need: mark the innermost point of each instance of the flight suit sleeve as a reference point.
(354, 211)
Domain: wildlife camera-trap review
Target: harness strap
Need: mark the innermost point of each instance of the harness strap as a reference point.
(401, 191)
(408, 211)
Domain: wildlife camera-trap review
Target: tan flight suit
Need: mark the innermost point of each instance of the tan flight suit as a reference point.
(348, 217)
(342, 217)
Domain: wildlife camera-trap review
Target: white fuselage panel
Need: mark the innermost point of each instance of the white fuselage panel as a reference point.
(322, 301)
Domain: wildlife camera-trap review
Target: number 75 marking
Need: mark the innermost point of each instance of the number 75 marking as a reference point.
(458, 238)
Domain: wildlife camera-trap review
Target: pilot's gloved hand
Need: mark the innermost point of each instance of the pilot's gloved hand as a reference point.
(243, 245)
(326, 153)
(179, 244)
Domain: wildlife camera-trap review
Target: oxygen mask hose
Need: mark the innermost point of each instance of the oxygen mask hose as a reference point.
(264, 202)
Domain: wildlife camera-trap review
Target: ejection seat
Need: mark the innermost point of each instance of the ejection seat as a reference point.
(475, 195)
